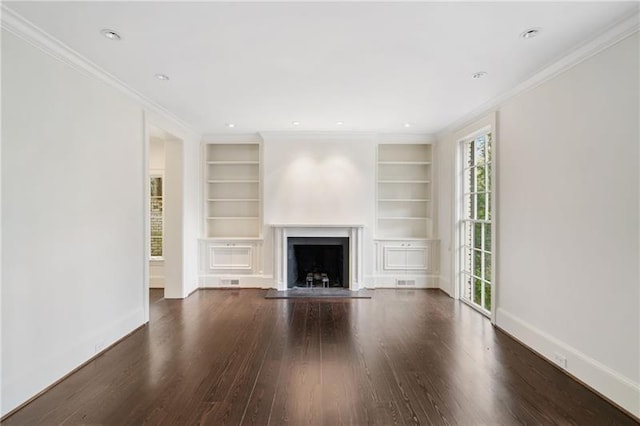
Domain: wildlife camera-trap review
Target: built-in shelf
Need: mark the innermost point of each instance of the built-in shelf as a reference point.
(233, 208)
(404, 208)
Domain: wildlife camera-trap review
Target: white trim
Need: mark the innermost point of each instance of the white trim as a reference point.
(14, 23)
(281, 233)
(146, 215)
(611, 384)
(610, 36)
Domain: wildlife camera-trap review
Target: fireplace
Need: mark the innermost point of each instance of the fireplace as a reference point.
(350, 241)
(317, 262)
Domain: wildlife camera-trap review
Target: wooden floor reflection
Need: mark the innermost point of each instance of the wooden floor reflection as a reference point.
(232, 357)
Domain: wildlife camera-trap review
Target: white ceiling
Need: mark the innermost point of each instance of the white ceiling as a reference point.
(373, 66)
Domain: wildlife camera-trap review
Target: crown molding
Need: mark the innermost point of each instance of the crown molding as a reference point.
(610, 36)
(387, 138)
(401, 138)
(317, 135)
(231, 138)
(15, 24)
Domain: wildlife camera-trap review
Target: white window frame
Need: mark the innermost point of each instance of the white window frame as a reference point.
(153, 175)
(483, 126)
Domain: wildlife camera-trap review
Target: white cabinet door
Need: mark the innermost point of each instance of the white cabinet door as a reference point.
(395, 258)
(417, 259)
(221, 257)
(406, 256)
(243, 257)
(231, 257)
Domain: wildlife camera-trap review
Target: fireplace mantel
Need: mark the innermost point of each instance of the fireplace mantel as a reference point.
(284, 231)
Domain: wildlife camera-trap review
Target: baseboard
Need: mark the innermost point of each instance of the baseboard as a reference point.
(612, 385)
(391, 281)
(22, 387)
(244, 281)
(267, 281)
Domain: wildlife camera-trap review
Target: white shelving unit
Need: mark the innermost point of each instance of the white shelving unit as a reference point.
(233, 190)
(404, 204)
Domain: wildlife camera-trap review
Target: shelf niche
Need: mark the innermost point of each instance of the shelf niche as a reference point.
(405, 190)
(233, 190)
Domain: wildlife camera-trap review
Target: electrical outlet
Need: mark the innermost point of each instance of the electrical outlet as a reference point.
(560, 359)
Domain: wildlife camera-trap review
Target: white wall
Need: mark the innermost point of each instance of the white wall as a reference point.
(319, 179)
(192, 208)
(72, 208)
(326, 179)
(568, 220)
(173, 220)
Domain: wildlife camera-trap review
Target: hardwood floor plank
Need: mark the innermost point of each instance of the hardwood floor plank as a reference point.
(231, 357)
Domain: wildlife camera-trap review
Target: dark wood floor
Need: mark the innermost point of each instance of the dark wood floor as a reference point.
(403, 357)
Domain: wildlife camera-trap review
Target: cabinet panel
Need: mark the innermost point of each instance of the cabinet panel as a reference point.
(406, 257)
(395, 258)
(417, 258)
(230, 258)
(220, 257)
(243, 257)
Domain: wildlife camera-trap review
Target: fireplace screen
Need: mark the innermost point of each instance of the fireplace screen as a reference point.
(318, 262)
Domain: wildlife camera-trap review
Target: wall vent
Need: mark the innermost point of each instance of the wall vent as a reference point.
(230, 282)
(403, 283)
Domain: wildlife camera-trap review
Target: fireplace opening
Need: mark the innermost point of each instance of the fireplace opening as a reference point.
(318, 262)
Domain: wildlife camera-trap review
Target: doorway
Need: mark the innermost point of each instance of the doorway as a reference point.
(163, 215)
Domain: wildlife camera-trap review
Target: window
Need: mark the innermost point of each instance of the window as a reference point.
(156, 217)
(475, 225)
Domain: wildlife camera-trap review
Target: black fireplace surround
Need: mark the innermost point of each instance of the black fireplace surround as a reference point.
(318, 255)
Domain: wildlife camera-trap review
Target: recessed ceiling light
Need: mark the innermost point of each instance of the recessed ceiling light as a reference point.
(162, 77)
(407, 124)
(231, 125)
(479, 74)
(295, 123)
(110, 34)
(531, 33)
(339, 123)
